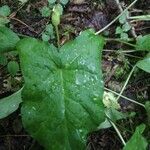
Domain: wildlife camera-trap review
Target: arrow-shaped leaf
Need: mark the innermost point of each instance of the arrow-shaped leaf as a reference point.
(62, 97)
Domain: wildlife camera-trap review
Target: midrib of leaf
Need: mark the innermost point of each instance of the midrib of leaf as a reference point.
(63, 93)
(65, 107)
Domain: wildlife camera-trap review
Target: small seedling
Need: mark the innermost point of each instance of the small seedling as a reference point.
(53, 10)
(124, 28)
(4, 13)
(48, 33)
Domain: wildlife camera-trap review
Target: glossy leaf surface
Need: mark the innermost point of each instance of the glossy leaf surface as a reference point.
(62, 97)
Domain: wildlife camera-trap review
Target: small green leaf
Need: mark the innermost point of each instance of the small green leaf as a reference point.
(59, 8)
(45, 37)
(5, 11)
(137, 141)
(3, 21)
(51, 1)
(45, 11)
(62, 97)
(124, 36)
(64, 2)
(143, 43)
(48, 33)
(3, 59)
(10, 104)
(8, 39)
(49, 30)
(115, 115)
(105, 124)
(144, 64)
(119, 30)
(126, 27)
(13, 67)
(123, 17)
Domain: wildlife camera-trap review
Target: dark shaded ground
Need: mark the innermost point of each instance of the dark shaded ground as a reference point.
(28, 21)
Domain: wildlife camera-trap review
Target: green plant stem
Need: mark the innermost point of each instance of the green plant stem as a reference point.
(57, 35)
(129, 76)
(129, 99)
(140, 18)
(119, 40)
(118, 132)
(107, 26)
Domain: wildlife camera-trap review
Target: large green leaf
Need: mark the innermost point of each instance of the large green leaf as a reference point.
(62, 97)
(145, 63)
(137, 141)
(10, 104)
(8, 39)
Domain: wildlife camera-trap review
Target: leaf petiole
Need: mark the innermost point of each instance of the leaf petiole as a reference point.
(118, 132)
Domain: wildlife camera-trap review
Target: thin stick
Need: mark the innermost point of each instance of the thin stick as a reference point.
(129, 55)
(14, 13)
(126, 82)
(121, 41)
(129, 99)
(118, 132)
(30, 28)
(107, 26)
(119, 5)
